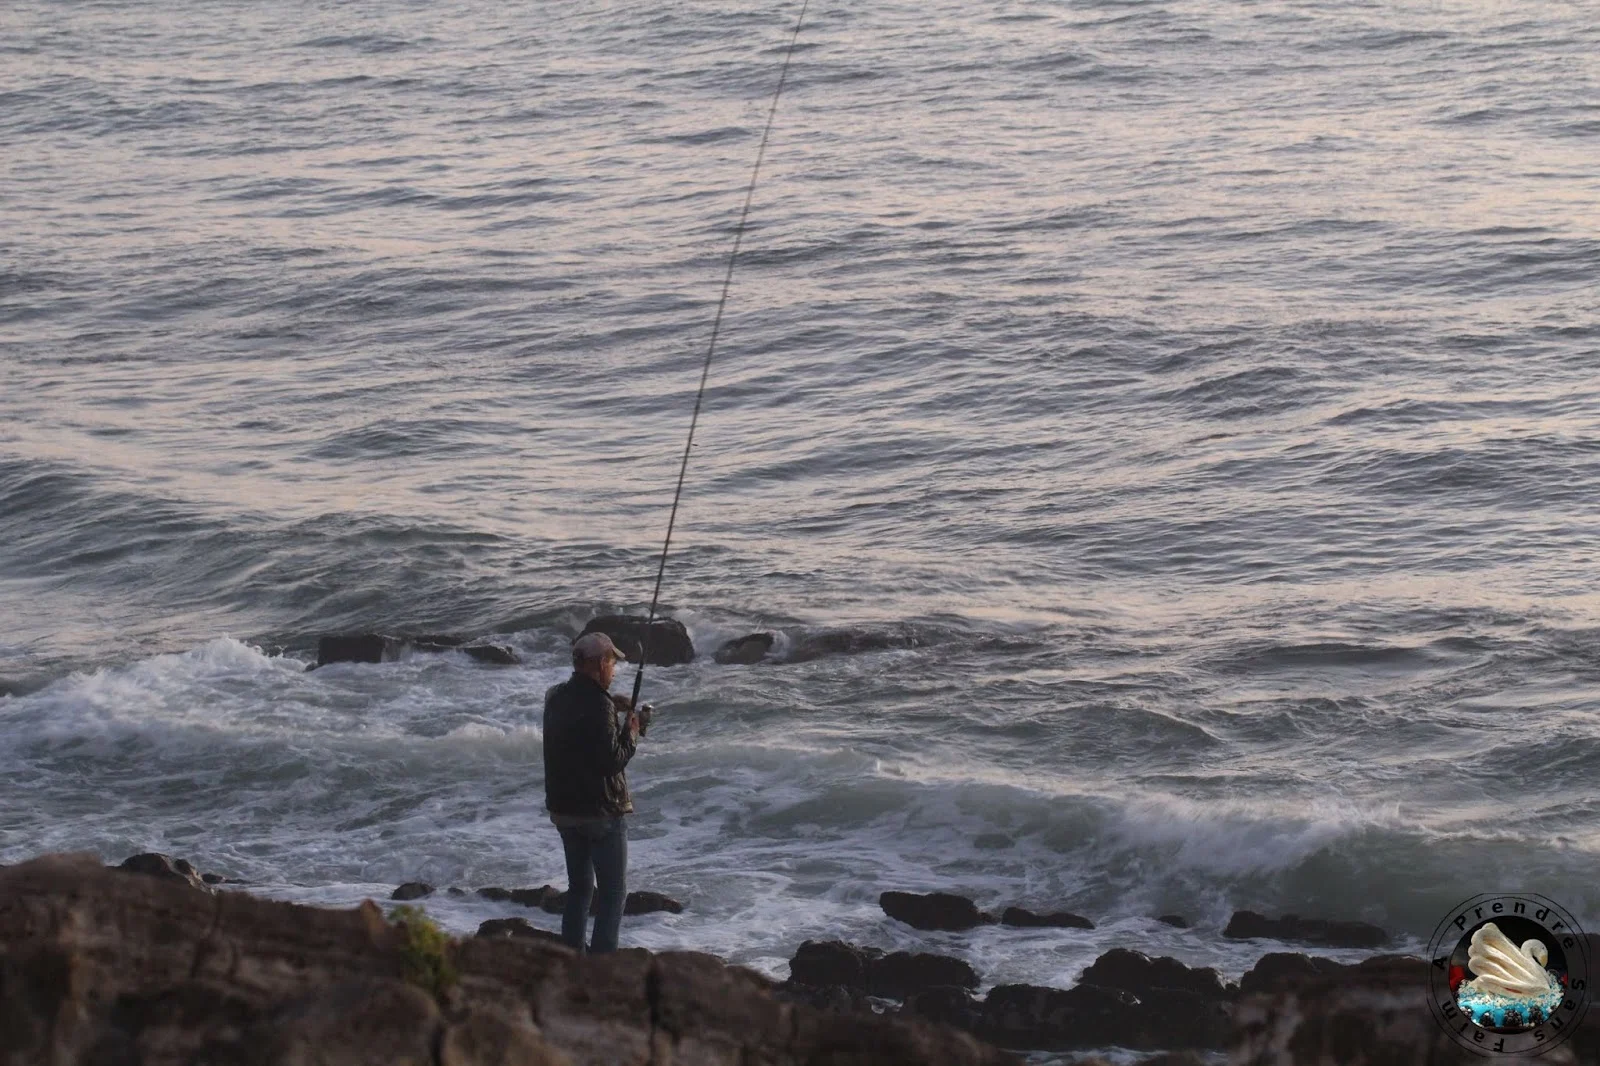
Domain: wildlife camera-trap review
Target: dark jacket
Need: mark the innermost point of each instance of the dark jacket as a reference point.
(584, 752)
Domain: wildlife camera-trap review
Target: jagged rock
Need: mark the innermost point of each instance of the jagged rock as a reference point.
(1248, 925)
(1136, 972)
(823, 964)
(1276, 970)
(900, 973)
(932, 910)
(832, 998)
(1054, 1019)
(503, 927)
(1176, 920)
(154, 864)
(820, 964)
(634, 904)
(650, 903)
(496, 654)
(412, 890)
(545, 897)
(746, 650)
(358, 648)
(1026, 919)
(99, 967)
(946, 1004)
(218, 879)
(669, 641)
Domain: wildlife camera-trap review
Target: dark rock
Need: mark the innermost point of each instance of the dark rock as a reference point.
(153, 864)
(636, 903)
(1026, 919)
(833, 998)
(1277, 970)
(545, 897)
(432, 641)
(1248, 925)
(1136, 972)
(412, 890)
(498, 654)
(1176, 920)
(218, 879)
(946, 1004)
(650, 903)
(932, 910)
(669, 641)
(100, 967)
(358, 648)
(455, 892)
(517, 927)
(831, 962)
(1053, 1019)
(1375, 1013)
(901, 973)
(745, 651)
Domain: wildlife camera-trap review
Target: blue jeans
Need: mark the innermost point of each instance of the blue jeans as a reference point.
(596, 851)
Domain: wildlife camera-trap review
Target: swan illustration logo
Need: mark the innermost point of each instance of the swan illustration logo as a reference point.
(1509, 974)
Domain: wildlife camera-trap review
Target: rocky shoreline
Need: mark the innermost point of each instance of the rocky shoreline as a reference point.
(154, 962)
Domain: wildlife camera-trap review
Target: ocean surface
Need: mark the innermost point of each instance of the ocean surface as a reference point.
(1185, 414)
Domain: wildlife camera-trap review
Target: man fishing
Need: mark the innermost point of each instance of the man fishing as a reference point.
(586, 756)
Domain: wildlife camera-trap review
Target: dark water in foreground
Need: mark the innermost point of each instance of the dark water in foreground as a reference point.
(1193, 406)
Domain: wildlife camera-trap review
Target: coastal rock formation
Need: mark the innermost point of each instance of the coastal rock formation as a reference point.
(669, 641)
(552, 900)
(1136, 972)
(412, 890)
(509, 927)
(895, 975)
(98, 967)
(933, 911)
(1026, 919)
(383, 648)
(746, 650)
(1248, 925)
(166, 868)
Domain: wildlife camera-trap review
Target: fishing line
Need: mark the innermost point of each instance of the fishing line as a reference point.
(711, 349)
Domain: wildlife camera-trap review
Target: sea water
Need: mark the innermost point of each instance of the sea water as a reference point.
(1184, 416)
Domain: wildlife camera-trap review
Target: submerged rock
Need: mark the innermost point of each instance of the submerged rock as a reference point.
(97, 966)
(412, 890)
(1248, 925)
(1055, 920)
(746, 650)
(669, 640)
(552, 900)
(1177, 921)
(166, 868)
(383, 648)
(930, 911)
(517, 927)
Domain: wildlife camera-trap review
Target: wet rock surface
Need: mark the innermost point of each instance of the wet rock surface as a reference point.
(387, 648)
(99, 967)
(166, 868)
(669, 642)
(1248, 925)
(412, 890)
(932, 911)
(552, 900)
(746, 650)
(1026, 919)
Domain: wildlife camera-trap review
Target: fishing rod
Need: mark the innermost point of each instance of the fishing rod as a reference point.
(711, 350)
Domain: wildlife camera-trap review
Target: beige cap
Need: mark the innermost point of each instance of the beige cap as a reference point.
(595, 646)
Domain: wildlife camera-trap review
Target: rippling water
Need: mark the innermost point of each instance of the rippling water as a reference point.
(1188, 410)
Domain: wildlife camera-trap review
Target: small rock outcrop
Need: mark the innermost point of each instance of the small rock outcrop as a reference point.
(932, 911)
(99, 967)
(384, 648)
(746, 650)
(668, 641)
(1248, 925)
(166, 868)
(552, 900)
(895, 975)
(1136, 972)
(1026, 919)
(412, 890)
(517, 927)
(1177, 921)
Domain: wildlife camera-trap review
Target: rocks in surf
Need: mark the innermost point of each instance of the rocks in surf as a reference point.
(166, 868)
(552, 900)
(517, 927)
(1248, 925)
(933, 911)
(669, 640)
(383, 648)
(746, 650)
(1026, 919)
(893, 975)
(412, 890)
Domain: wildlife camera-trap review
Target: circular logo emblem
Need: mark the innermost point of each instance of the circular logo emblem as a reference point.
(1509, 974)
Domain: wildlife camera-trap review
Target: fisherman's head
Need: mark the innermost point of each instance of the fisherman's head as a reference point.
(593, 655)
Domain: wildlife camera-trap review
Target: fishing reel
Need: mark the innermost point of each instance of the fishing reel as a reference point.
(623, 705)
